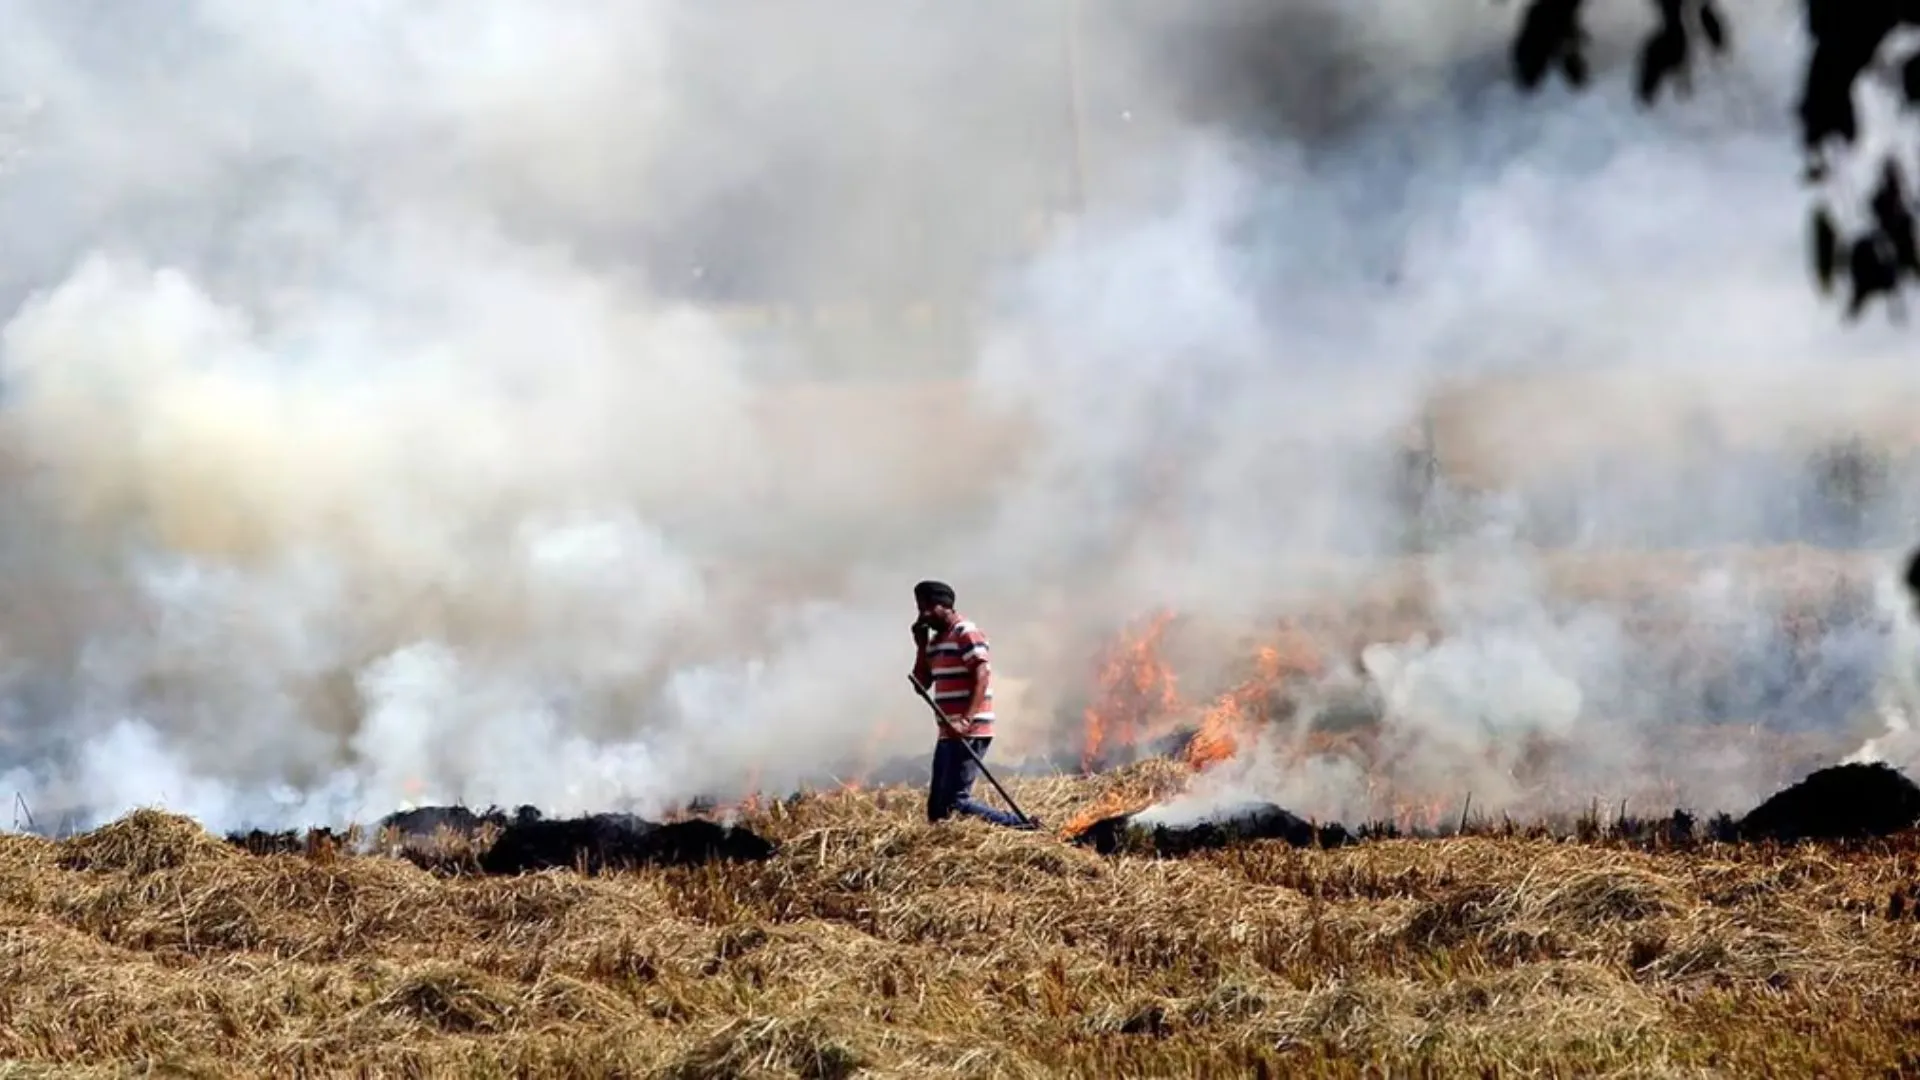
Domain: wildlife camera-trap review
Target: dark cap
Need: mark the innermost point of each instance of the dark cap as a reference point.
(934, 592)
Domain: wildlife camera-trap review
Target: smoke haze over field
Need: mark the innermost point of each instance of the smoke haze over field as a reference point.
(372, 431)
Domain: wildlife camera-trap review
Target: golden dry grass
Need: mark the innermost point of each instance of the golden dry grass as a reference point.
(874, 944)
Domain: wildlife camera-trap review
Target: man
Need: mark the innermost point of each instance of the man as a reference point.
(951, 662)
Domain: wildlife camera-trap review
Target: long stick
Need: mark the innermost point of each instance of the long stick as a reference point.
(968, 747)
(1076, 105)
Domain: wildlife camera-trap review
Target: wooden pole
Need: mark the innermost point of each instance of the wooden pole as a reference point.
(1076, 106)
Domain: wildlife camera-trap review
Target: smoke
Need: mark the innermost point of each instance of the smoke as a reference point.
(375, 422)
(433, 404)
(1616, 355)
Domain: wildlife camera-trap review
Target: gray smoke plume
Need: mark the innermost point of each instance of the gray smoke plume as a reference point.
(1614, 355)
(553, 402)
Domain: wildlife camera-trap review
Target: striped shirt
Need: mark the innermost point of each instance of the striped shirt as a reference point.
(949, 667)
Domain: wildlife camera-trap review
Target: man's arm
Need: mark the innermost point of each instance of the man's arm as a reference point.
(982, 683)
(976, 658)
(922, 666)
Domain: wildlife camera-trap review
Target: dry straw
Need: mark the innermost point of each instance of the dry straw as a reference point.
(874, 944)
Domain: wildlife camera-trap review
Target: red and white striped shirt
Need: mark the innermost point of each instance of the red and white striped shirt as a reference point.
(949, 667)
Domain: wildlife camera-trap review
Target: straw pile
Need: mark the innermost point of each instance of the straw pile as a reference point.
(874, 944)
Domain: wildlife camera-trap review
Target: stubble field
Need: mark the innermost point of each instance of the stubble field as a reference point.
(873, 944)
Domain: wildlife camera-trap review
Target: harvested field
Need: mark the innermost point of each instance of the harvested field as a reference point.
(873, 944)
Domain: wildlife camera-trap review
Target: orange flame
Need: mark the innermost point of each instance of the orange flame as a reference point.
(870, 754)
(1134, 687)
(1112, 804)
(1408, 811)
(1137, 694)
(749, 801)
(1249, 703)
(1425, 815)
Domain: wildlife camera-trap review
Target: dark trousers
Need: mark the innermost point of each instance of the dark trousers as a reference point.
(952, 789)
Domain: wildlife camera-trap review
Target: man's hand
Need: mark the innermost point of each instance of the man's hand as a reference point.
(922, 633)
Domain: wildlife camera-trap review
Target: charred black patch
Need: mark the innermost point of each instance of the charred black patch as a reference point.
(1259, 821)
(429, 822)
(1105, 836)
(288, 842)
(1680, 829)
(1845, 802)
(1904, 902)
(605, 842)
(1723, 829)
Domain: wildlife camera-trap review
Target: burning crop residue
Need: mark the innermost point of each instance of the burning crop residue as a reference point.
(1114, 805)
(1135, 693)
(1479, 688)
(1169, 829)
(1251, 704)
(1138, 711)
(1138, 708)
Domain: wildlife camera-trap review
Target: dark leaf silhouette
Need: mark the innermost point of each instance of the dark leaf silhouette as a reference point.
(1848, 39)
(1573, 65)
(1662, 58)
(1847, 35)
(1549, 32)
(1894, 218)
(1872, 272)
(1826, 249)
(1713, 27)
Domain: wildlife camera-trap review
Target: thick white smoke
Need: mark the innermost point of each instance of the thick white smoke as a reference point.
(363, 444)
(379, 422)
(1630, 359)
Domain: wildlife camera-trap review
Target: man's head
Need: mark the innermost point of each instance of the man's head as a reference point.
(935, 600)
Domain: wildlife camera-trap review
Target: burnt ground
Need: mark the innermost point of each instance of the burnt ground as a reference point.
(603, 842)
(456, 839)
(1260, 821)
(285, 842)
(426, 822)
(1840, 803)
(1845, 802)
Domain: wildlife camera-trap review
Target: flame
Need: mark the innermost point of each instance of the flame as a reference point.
(1420, 816)
(749, 801)
(749, 804)
(1112, 804)
(1219, 736)
(1137, 696)
(870, 754)
(1409, 812)
(1133, 688)
(1249, 704)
